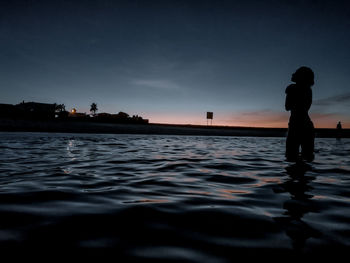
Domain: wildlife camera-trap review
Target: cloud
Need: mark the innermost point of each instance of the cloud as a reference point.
(157, 84)
(329, 120)
(330, 110)
(343, 99)
(270, 118)
(256, 118)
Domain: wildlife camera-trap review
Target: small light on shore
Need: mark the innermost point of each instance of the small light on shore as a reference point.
(73, 110)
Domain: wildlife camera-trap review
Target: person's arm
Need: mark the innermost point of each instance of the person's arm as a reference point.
(288, 102)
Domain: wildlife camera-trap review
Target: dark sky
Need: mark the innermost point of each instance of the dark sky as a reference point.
(171, 61)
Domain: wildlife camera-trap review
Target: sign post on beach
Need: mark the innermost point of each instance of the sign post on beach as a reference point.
(210, 117)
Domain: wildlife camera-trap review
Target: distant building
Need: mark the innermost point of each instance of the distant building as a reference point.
(139, 119)
(121, 117)
(104, 115)
(74, 114)
(8, 111)
(35, 110)
(46, 111)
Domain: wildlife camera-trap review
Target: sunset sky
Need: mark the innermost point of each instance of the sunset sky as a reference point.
(172, 61)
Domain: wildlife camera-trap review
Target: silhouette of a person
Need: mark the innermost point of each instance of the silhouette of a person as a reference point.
(339, 130)
(339, 126)
(300, 127)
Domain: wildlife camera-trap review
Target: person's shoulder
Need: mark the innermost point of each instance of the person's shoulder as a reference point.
(290, 88)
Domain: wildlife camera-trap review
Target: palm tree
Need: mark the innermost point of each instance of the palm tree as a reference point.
(60, 110)
(60, 107)
(93, 108)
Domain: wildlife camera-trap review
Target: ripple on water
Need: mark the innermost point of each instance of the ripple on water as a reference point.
(187, 198)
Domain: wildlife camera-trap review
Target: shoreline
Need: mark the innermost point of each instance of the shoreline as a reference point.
(66, 126)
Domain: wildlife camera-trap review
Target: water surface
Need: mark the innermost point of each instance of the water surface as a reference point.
(172, 198)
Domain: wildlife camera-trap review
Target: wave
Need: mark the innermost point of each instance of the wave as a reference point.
(172, 198)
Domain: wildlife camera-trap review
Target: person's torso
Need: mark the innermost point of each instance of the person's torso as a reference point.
(300, 99)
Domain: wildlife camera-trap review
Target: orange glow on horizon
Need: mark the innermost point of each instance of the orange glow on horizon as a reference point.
(248, 119)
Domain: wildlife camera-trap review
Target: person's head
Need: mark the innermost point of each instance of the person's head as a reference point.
(304, 76)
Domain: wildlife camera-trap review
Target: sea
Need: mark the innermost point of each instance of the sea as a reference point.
(162, 198)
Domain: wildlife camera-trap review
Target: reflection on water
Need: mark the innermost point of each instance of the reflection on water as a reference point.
(299, 204)
(172, 198)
